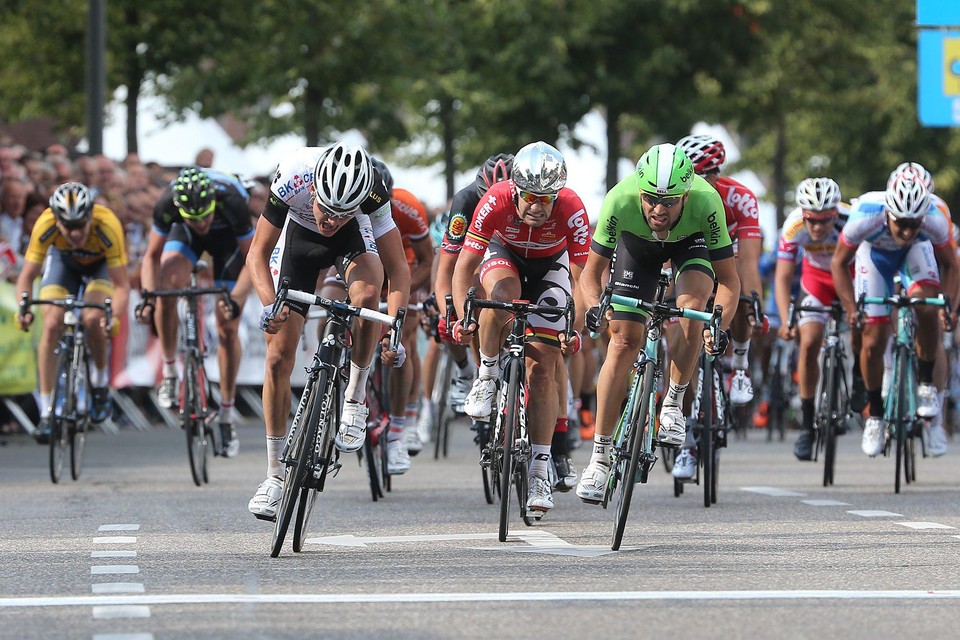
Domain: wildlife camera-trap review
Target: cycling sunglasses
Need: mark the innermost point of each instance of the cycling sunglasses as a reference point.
(335, 213)
(534, 198)
(908, 223)
(667, 201)
(199, 215)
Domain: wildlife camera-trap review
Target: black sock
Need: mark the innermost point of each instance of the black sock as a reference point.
(807, 409)
(875, 397)
(925, 371)
(856, 368)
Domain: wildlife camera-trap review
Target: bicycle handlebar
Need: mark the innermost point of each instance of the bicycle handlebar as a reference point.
(835, 309)
(69, 303)
(285, 293)
(523, 307)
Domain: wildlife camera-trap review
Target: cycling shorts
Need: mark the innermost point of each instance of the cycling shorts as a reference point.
(636, 268)
(875, 269)
(302, 255)
(222, 247)
(544, 281)
(63, 277)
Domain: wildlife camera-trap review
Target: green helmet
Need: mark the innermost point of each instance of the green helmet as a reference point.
(665, 170)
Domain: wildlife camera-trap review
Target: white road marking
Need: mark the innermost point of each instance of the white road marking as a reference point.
(583, 551)
(925, 525)
(773, 491)
(115, 540)
(119, 527)
(113, 554)
(118, 587)
(523, 596)
(348, 540)
(123, 636)
(825, 503)
(870, 513)
(114, 568)
(120, 611)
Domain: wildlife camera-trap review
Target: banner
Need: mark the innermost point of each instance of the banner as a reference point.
(18, 351)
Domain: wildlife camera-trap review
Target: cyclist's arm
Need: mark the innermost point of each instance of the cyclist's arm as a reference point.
(748, 266)
(576, 273)
(265, 238)
(390, 247)
(150, 268)
(728, 289)
(28, 274)
(244, 283)
(121, 290)
(420, 275)
(947, 262)
(463, 278)
(443, 284)
(783, 279)
(839, 267)
(591, 280)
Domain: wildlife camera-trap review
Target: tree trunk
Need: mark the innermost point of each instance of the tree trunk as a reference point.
(134, 81)
(312, 108)
(613, 146)
(780, 170)
(449, 159)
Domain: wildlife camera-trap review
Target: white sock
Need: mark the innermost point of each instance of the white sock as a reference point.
(741, 351)
(539, 459)
(674, 396)
(170, 368)
(99, 377)
(44, 405)
(357, 386)
(601, 449)
(397, 424)
(226, 412)
(489, 366)
(274, 447)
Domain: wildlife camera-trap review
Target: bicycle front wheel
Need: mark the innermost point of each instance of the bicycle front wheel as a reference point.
(708, 403)
(78, 443)
(309, 494)
(509, 413)
(440, 401)
(192, 422)
(626, 466)
(63, 407)
(902, 415)
(831, 379)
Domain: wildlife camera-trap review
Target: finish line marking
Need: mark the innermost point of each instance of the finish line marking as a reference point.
(414, 598)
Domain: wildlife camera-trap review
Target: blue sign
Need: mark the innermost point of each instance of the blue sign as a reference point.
(938, 13)
(938, 94)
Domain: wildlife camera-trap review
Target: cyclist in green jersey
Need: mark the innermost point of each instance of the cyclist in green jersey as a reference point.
(662, 212)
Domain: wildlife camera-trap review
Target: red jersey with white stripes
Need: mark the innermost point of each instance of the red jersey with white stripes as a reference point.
(740, 204)
(567, 229)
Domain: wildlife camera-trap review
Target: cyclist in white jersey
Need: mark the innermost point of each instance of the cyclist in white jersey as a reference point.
(327, 207)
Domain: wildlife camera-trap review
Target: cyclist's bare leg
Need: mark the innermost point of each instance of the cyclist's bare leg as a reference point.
(96, 341)
(504, 286)
(626, 339)
(228, 355)
(364, 281)
(542, 391)
(47, 349)
(874, 342)
(280, 360)
(928, 326)
(693, 291)
(808, 366)
(174, 273)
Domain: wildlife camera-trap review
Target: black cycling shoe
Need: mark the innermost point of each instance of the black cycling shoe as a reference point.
(102, 406)
(42, 434)
(566, 474)
(803, 449)
(858, 397)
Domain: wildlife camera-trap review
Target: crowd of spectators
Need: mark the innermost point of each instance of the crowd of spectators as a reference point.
(129, 187)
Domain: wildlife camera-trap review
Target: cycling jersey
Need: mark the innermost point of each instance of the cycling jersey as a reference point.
(795, 237)
(291, 197)
(621, 214)
(231, 214)
(741, 208)
(462, 206)
(868, 224)
(104, 243)
(410, 216)
(566, 230)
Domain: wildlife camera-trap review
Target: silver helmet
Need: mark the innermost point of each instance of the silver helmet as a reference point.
(539, 168)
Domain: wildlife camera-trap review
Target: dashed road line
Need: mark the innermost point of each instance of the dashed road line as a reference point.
(123, 636)
(105, 612)
(875, 513)
(113, 568)
(113, 554)
(825, 503)
(925, 525)
(775, 492)
(104, 608)
(117, 587)
(119, 527)
(115, 540)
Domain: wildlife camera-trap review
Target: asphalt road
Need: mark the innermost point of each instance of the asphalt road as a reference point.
(133, 550)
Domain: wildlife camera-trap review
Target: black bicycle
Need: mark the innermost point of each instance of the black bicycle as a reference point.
(507, 454)
(309, 454)
(833, 398)
(196, 411)
(72, 393)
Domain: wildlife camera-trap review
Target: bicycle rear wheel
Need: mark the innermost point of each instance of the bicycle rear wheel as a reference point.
(297, 463)
(78, 443)
(486, 460)
(371, 455)
(309, 494)
(192, 421)
(64, 405)
(509, 413)
(626, 466)
(708, 405)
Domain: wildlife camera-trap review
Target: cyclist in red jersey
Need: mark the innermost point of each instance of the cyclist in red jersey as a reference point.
(530, 236)
(743, 219)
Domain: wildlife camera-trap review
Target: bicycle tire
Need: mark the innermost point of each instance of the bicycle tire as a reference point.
(63, 406)
(371, 459)
(489, 479)
(705, 441)
(508, 413)
(625, 471)
(832, 380)
(440, 401)
(899, 392)
(197, 445)
(309, 494)
(383, 447)
(299, 452)
(776, 391)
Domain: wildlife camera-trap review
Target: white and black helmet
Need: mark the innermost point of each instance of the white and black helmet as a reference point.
(917, 168)
(343, 178)
(818, 194)
(72, 204)
(539, 168)
(907, 196)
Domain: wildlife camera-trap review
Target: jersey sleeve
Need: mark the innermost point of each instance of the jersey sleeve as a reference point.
(165, 212)
(111, 234)
(713, 225)
(577, 228)
(483, 225)
(42, 236)
(461, 214)
(236, 208)
(788, 248)
(607, 235)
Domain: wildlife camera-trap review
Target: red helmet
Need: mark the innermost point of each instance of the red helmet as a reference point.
(705, 152)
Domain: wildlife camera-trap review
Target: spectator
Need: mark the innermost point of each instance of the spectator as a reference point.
(204, 158)
(13, 204)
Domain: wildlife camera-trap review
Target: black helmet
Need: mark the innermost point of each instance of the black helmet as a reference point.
(72, 204)
(193, 194)
(380, 167)
(495, 169)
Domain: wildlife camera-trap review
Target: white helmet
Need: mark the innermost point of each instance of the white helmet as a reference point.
(907, 196)
(343, 178)
(818, 194)
(917, 168)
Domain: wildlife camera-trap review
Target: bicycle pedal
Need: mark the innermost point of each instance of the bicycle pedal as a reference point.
(594, 502)
(260, 516)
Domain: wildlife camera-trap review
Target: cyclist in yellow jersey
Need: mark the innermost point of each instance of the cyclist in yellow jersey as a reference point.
(76, 242)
